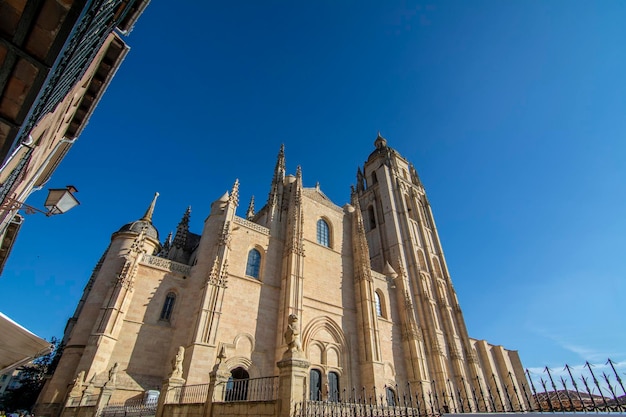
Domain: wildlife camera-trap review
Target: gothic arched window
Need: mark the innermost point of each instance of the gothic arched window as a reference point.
(168, 306)
(254, 263)
(315, 387)
(379, 308)
(323, 233)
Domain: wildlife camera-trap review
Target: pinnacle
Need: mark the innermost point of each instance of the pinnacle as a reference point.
(150, 211)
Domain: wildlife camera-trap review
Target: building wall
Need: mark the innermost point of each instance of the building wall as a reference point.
(374, 326)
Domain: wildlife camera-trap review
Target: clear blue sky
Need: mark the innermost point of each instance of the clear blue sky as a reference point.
(513, 112)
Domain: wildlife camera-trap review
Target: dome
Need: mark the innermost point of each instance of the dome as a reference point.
(138, 225)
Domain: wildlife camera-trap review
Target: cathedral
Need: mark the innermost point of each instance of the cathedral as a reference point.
(360, 293)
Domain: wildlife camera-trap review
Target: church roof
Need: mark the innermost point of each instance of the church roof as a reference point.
(316, 194)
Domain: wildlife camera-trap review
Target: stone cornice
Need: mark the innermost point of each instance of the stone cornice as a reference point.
(165, 264)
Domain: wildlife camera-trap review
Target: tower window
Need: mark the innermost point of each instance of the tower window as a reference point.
(168, 307)
(379, 310)
(323, 233)
(374, 179)
(254, 263)
(371, 217)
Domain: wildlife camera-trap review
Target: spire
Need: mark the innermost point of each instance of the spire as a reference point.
(414, 177)
(182, 230)
(360, 186)
(167, 245)
(250, 212)
(234, 194)
(279, 176)
(148, 216)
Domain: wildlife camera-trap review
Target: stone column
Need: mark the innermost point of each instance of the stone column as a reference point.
(217, 385)
(170, 393)
(294, 370)
(104, 398)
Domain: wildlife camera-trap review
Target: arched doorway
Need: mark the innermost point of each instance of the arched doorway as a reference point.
(237, 385)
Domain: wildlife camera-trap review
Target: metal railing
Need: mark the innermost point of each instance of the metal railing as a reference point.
(599, 391)
(134, 408)
(603, 392)
(187, 394)
(252, 389)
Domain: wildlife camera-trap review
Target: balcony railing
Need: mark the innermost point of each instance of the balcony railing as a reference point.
(187, 394)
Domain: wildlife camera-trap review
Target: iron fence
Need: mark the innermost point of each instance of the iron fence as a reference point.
(606, 395)
(135, 408)
(599, 391)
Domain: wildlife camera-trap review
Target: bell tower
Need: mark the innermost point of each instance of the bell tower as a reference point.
(404, 245)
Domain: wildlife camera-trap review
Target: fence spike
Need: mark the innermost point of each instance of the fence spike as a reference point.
(593, 402)
(569, 398)
(495, 384)
(556, 391)
(515, 392)
(534, 390)
(617, 376)
(545, 390)
(606, 378)
(580, 398)
(530, 404)
(595, 381)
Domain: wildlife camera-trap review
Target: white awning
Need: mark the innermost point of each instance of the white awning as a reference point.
(18, 346)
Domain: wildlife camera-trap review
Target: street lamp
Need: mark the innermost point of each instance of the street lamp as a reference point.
(59, 201)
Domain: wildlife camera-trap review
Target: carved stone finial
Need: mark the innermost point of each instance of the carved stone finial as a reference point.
(234, 194)
(250, 212)
(177, 363)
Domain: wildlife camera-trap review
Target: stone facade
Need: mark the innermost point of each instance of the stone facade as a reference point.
(324, 297)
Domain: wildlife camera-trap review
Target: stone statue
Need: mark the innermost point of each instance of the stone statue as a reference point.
(177, 363)
(292, 334)
(78, 383)
(113, 373)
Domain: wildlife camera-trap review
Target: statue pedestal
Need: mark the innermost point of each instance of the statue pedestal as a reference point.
(294, 369)
(217, 387)
(170, 393)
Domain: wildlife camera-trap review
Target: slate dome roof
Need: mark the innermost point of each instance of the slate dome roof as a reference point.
(145, 222)
(138, 225)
